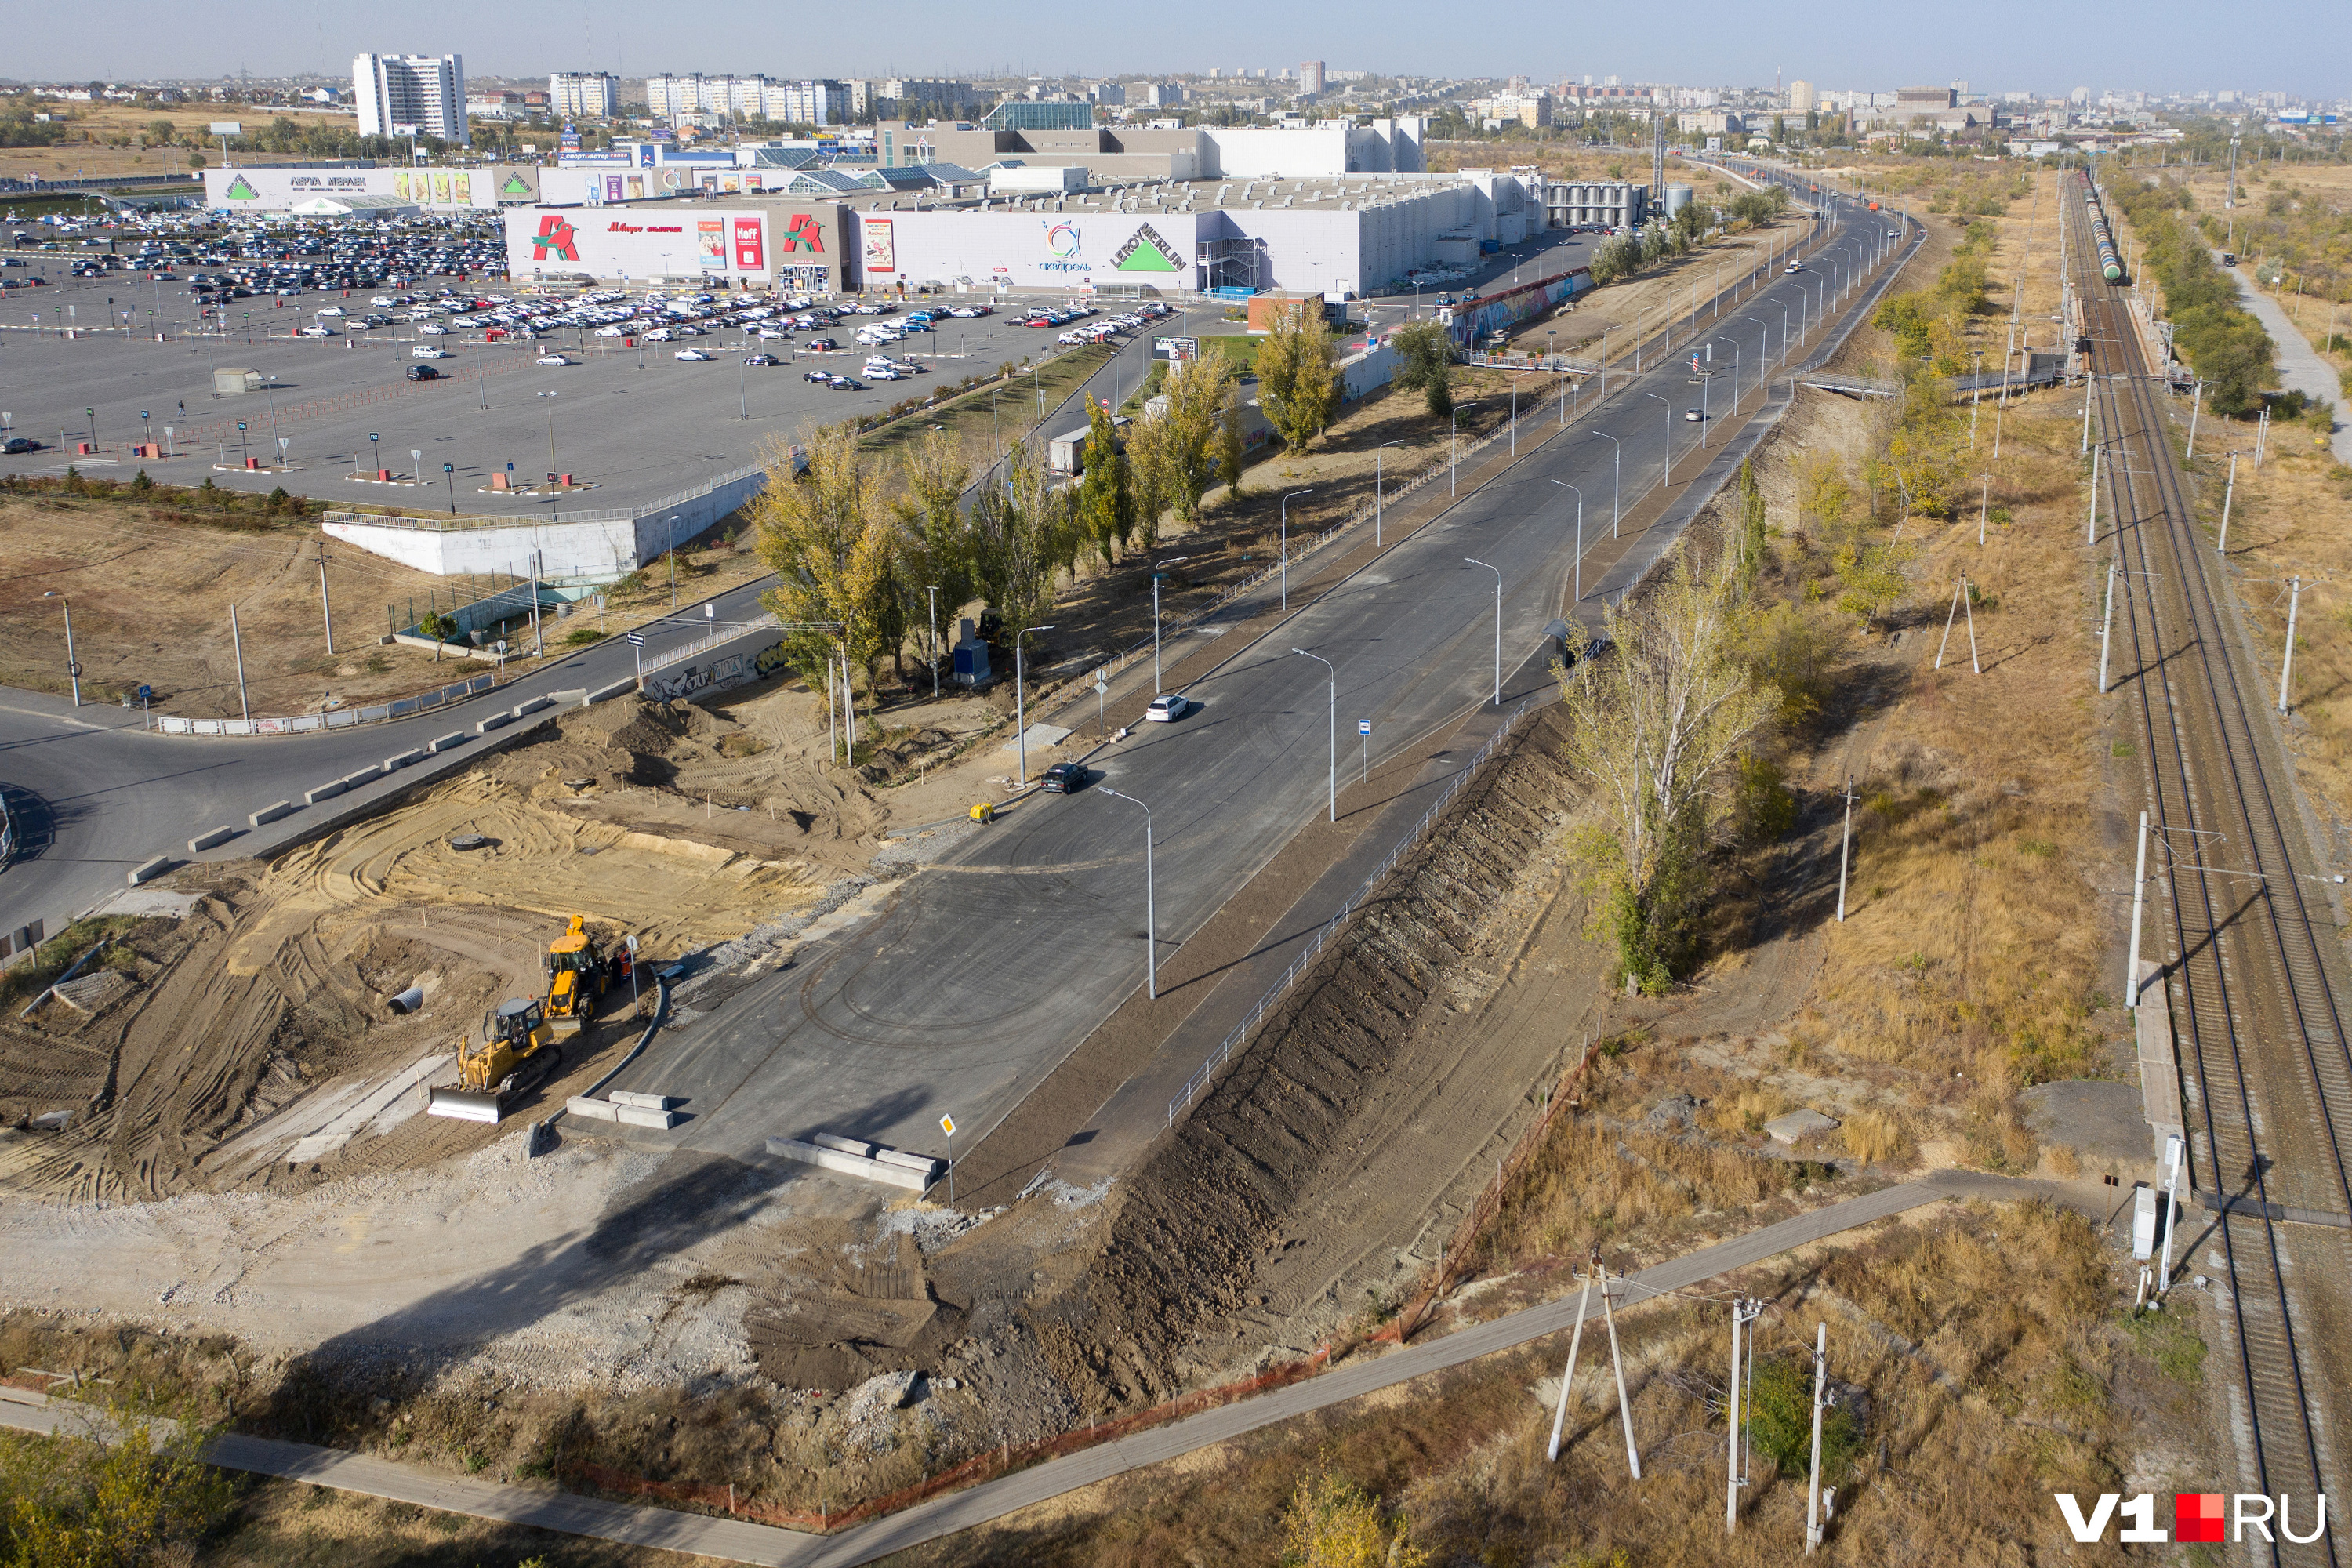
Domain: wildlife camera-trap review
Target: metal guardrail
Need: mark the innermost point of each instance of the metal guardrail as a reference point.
(704, 644)
(312, 724)
(1308, 955)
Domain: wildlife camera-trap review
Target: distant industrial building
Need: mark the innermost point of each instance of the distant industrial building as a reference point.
(411, 95)
(1016, 114)
(1596, 204)
(584, 95)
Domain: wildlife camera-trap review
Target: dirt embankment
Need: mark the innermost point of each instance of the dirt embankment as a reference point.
(1314, 1164)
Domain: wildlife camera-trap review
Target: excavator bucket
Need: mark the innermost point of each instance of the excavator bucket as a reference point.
(465, 1104)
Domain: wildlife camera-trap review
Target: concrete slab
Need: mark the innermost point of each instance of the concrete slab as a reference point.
(272, 811)
(2101, 1120)
(152, 903)
(1039, 738)
(1799, 1124)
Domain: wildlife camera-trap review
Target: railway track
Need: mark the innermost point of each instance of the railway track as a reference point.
(2251, 964)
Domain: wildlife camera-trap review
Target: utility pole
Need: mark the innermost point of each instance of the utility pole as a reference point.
(1731, 1445)
(237, 644)
(1617, 1360)
(2229, 494)
(2139, 899)
(326, 608)
(1813, 1491)
(2107, 628)
(1845, 840)
(538, 639)
(1568, 1374)
(2286, 662)
(2091, 530)
(2172, 1158)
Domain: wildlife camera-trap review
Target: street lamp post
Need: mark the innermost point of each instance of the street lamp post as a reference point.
(1670, 435)
(449, 477)
(1580, 537)
(1020, 703)
(933, 590)
(1150, 917)
(1376, 489)
(1616, 480)
(1286, 549)
(1332, 783)
(1157, 568)
(73, 667)
(1497, 571)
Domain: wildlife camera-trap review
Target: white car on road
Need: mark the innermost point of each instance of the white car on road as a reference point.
(554, 360)
(434, 329)
(690, 355)
(426, 351)
(1168, 706)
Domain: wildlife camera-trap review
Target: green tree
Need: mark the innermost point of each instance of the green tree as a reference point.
(936, 470)
(1333, 1523)
(1106, 508)
(143, 1496)
(1019, 534)
(1426, 365)
(832, 555)
(1181, 449)
(1655, 728)
(1295, 379)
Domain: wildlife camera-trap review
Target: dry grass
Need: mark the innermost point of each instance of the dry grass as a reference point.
(1981, 1348)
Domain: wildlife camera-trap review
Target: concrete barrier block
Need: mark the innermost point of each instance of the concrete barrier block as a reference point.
(577, 696)
(926, 1163)
(643, 1101)
(523, 709)
(606, 693)
(601, 1110)
(147, 870)
(272, 811)
(861, 1147)
(204, 841)
(447, 742)
(400, 759)
(358, 776)
(847, 1164)
(638, 1116)
(324, 792)
(495, 720)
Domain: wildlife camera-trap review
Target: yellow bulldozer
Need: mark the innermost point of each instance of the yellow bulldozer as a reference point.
(518, 1053)
(577, 974)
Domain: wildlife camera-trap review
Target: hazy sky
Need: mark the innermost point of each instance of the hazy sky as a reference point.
(1995, 45)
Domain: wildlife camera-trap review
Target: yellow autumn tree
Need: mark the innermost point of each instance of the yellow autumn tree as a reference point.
(1331, 1522)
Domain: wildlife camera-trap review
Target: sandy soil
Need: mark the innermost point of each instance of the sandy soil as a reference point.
(88, 149)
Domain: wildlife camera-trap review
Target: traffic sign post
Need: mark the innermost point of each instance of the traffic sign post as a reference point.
(1102, 685)
(144, 692)
(638, 646)
(1364, 730)
(947, 1125)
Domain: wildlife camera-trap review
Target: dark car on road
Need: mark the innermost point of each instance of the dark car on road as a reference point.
(1064, 778)
(423, 373)
(16, 444)
(843, 383)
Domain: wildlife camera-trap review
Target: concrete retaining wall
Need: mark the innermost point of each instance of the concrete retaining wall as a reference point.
(599, 548)
(696, 516)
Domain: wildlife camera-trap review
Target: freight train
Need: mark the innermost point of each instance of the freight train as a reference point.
(2111, 261)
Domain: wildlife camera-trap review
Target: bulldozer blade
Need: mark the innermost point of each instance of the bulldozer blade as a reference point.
(466, 1105)
(564, 1029)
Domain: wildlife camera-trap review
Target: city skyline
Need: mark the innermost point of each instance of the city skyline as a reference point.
(2170, 50)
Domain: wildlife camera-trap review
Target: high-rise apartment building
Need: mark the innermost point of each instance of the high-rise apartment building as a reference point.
(411, 95)
(584, 95)
(814, 102)
(1311, 78)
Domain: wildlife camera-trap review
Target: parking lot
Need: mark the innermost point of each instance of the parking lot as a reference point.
(626, 419)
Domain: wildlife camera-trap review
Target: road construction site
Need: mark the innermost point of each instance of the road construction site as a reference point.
(244, 1150)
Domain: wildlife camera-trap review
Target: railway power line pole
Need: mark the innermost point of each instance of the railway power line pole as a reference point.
(237, 645)
(1959, 597)
(2139, 905)
(2229, 493)
(2107, 628)
(2286, 662)
(2091, 525)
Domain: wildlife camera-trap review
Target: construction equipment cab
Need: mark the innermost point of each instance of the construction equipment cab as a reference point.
(576, 976)
(518, 1053)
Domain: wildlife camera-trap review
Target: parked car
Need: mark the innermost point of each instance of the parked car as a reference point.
(1168, 706)
(761, 359)
(558, 360)
(1064, 778)
(423, 373)
(16, 444)
(690, 355)
(816, 375)
(426, 351)
(843, 383)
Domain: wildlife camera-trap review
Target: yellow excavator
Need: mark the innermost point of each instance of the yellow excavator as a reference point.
(518, 1053)
(577, 974)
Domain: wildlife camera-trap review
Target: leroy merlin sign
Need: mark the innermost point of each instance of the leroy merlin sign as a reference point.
(1147, 251)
